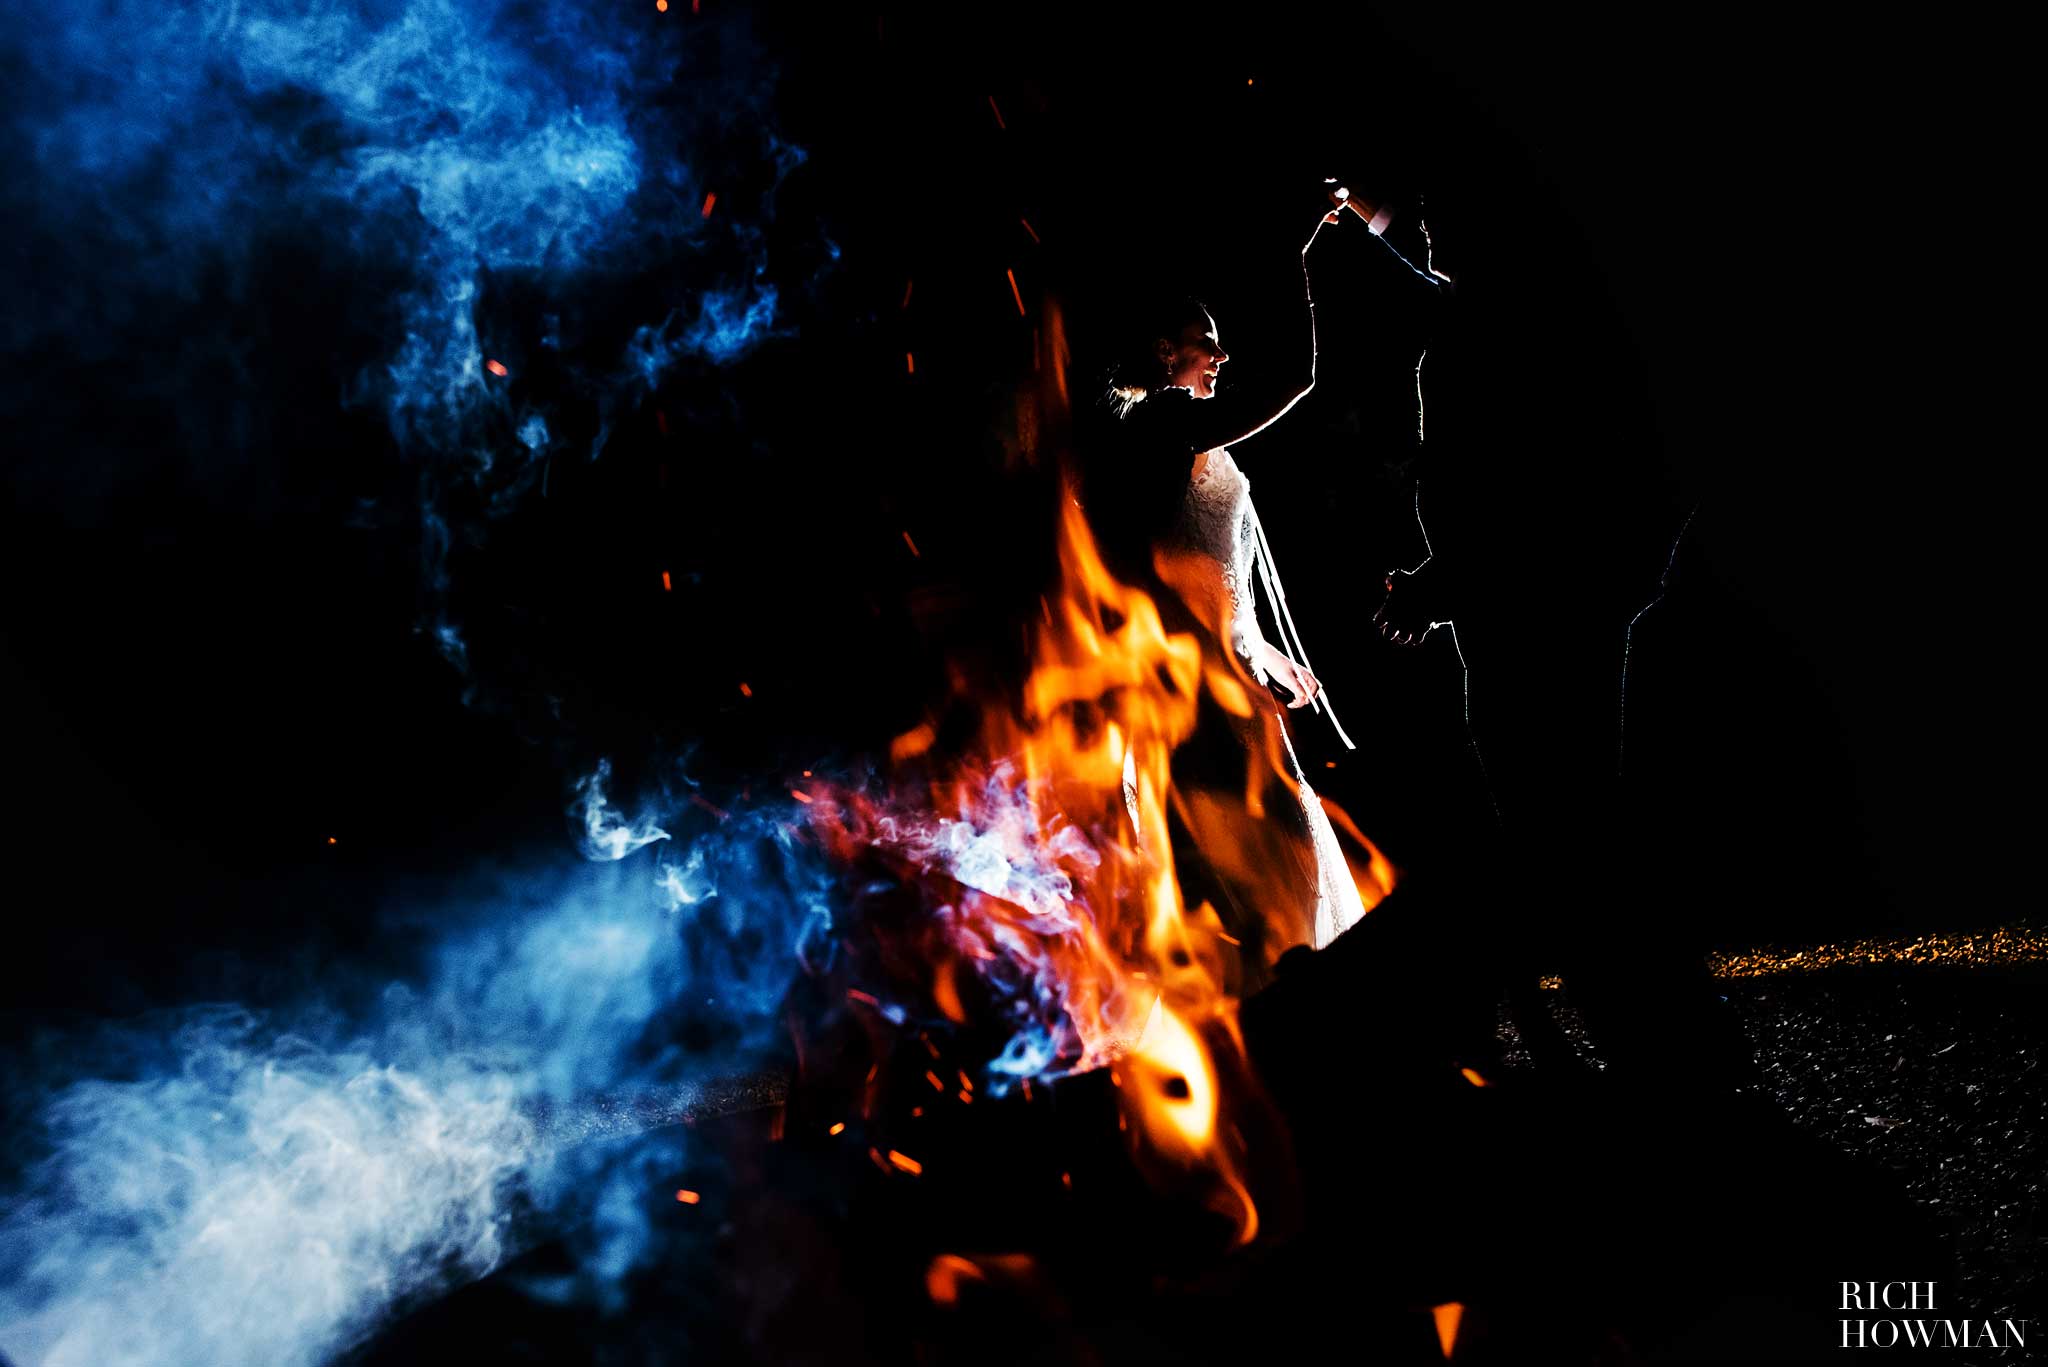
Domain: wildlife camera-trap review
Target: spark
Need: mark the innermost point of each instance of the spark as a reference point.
(933, 1078)
(908, 285)
(966, 1098)
(909, 363)
(837, 1129)
(854, 994)
(801, 796)
(709, 200)
(688, 1197)
(661, 6)
(332, 840)
(667, 584)
(1015, 293)
(746, 692)
(1628, 640)
(497, 368)
(997, 111)
(906, 1162)
(1472, 1076)
(912, 544)
(1447, 1317)
(1029, 229)
(966, 1082)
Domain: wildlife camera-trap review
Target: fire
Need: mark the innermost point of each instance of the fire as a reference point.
(1041, 847)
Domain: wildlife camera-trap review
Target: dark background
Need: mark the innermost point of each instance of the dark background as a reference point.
(1742, 265)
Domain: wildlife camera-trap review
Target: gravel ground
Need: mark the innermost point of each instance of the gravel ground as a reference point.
(1937, 1075)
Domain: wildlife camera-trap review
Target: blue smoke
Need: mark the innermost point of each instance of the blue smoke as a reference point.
(226, 1186)
(398, 165)
(466, 139)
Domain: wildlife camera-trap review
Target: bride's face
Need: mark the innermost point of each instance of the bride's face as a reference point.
(1193, 359)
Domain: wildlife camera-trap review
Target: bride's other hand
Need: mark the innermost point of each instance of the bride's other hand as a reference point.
(1302, 686)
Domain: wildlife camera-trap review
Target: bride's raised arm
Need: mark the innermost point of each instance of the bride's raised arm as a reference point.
(1191, 361)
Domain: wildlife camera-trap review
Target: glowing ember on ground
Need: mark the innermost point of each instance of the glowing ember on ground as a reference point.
(2008, 945)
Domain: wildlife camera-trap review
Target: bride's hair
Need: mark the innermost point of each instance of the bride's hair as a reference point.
(1134, 370)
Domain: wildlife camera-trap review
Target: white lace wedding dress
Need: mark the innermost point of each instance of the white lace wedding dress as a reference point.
(1218, 520)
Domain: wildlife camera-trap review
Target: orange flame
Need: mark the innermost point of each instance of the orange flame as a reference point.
(1049, 839)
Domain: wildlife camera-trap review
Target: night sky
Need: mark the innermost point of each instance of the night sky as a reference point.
(306, 614)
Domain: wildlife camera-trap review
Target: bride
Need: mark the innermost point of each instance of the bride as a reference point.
(1171, 482)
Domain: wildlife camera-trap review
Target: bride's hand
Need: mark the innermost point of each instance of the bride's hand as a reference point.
(1302, 686)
